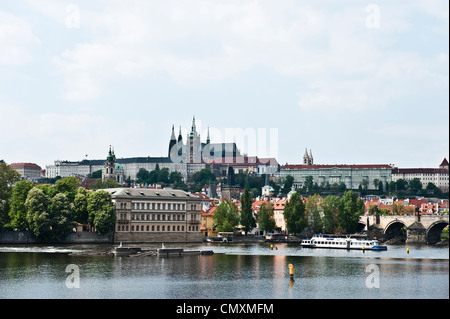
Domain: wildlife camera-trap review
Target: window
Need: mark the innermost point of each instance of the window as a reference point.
(148, 227)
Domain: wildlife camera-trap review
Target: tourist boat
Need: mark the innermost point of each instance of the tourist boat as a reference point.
(342, 242)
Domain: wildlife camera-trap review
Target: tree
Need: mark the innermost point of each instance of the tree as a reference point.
(226, 216)
(288, 182)
(266, 219)
(415, 185)
(142, 176)
(101, 212)
(68, 186)
(350, 209)
(294, 214)
(247, 219)
(61, 212)
(97, 174)
(8, 176)
(314, 213)
(309, 183)
(81, 205)
(107, 183)
(18, 211)
(330, 207)
(38, 217)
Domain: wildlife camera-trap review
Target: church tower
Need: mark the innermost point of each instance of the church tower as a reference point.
(308, 159)
(111, 169)
(173, 141)
(193, 145)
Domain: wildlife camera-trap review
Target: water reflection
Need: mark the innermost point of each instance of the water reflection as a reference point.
(243, 272)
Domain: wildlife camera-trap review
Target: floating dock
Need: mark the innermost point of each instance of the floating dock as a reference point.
(161, 252)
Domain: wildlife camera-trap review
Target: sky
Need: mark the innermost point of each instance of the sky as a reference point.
(355, 82)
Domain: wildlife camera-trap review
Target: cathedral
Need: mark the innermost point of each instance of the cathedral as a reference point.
(195, 151)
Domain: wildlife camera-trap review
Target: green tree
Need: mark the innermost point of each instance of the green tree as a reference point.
(81, 205)
(330, 207)
(142, 176)
(8, 176)
(18, 211)
(309, 184)
(68, 186)
(61, 212)
(350, 209)
(205, 176)
(107, 183)
(97, 174)
(288, 182)
(314, 213)
(415, 185)
(102, 215)
(247, 219)
(38, 217)
(266, 219)
(226, 216)
(294, 214)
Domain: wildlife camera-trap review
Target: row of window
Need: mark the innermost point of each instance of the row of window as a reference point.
(146, 228)
(154, 206)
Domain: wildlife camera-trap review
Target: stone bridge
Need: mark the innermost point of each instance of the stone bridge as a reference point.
(419, 228)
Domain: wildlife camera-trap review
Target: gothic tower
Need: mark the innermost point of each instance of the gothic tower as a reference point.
(308, 159)
(173, 141)
(193, 145)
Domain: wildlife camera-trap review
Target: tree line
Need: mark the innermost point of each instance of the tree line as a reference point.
(332, 214)
(51, 213)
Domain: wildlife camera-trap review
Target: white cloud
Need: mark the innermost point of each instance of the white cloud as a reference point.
(17, 40)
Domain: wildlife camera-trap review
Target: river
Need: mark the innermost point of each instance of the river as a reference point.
(234, 271)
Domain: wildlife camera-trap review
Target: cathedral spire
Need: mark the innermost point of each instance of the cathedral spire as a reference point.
(173, 140)
(180, 138)
(193, 128)
(207, 137)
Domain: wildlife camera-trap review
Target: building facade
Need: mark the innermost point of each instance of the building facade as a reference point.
(29, 171)
(351, 175)
(437, 176)
(156, 215)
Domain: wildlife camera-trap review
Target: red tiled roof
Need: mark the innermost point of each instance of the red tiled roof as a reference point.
(25, 165)
(354, 166)
(444, 162)
(419, 170)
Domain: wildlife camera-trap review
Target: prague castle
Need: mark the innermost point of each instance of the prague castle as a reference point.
(185, 157)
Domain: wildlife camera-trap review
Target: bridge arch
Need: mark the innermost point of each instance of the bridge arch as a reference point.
(394, 229)
(434, 231)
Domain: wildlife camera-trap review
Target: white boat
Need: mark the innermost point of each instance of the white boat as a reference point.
(342, 242)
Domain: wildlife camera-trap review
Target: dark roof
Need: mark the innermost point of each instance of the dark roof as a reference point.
(419, 170)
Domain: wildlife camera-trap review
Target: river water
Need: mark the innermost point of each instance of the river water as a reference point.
(234, 271)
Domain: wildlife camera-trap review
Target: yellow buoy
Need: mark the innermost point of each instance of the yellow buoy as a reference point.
(291, 271)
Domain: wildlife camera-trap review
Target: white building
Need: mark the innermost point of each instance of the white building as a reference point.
(437, 176)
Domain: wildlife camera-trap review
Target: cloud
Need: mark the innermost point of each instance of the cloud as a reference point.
(17, 40)
(344, 64)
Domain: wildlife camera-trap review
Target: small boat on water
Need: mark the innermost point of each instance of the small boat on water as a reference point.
(342, 242)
